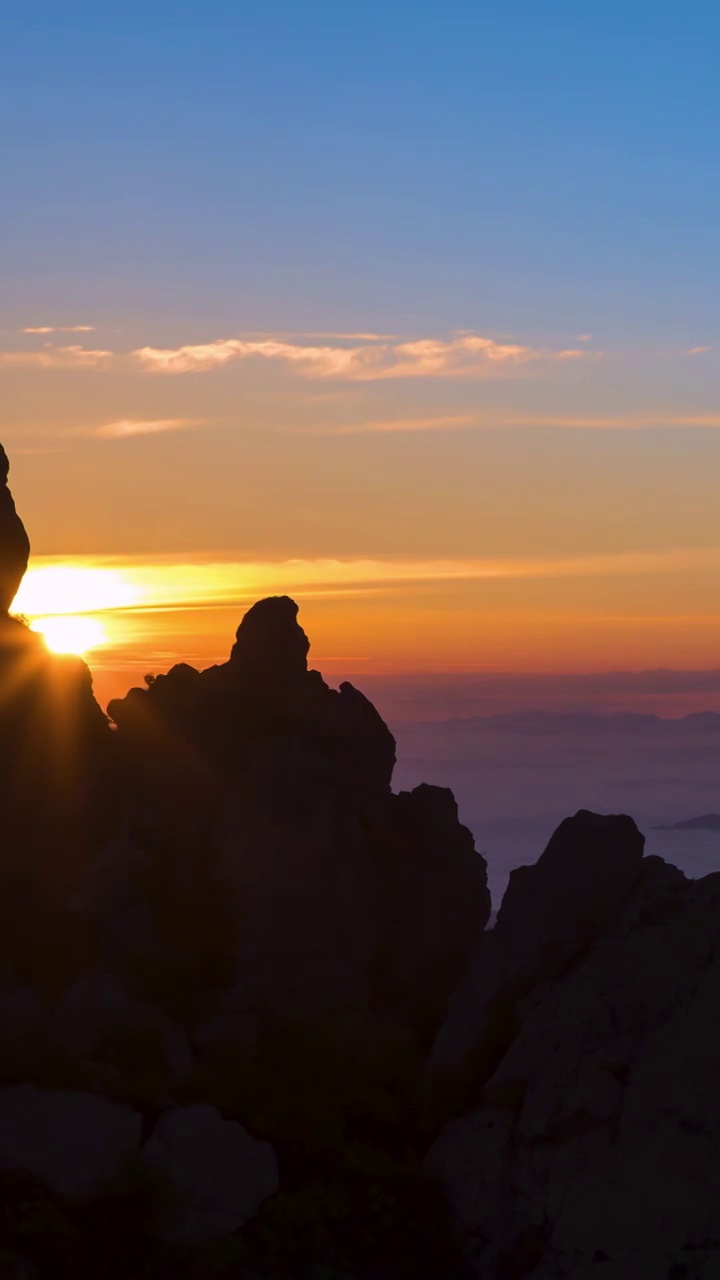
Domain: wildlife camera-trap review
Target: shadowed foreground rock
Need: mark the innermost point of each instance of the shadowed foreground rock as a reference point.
(14, 542)
(252, 1023)
(58, 780)
(271, 937)
(550, 914)
(592, 1149)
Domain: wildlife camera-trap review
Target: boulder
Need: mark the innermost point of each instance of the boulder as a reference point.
(75, 1143)
(551, 913)
(97, 1020)
(210, 1175)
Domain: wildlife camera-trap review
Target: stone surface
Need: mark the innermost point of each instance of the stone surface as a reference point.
(211, 1175)
(552, 911)
(227, 1040)
(98, 1020)
(74, 1143)
(436, 904)
(599, 1130)
(303, 880)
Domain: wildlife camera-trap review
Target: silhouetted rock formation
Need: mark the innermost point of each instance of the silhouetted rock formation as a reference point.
(271, 646)
(331, 892)
(14, 542)
(592, 1149)
(58, 780)
(252, 1021)
(550, 914)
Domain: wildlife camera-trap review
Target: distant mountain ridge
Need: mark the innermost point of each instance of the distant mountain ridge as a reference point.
(586, 722)
(705, 822)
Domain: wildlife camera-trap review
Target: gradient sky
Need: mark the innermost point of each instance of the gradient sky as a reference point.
(409, 310)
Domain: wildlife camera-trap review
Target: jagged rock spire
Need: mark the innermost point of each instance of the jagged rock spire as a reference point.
(271, 644)
(14, 542)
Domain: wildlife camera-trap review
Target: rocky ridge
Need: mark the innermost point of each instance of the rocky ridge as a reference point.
(253, 1022)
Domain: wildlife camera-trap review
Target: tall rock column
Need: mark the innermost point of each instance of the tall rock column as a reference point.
(14, 542)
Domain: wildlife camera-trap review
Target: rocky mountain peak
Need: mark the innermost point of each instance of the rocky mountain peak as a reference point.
(270, 643)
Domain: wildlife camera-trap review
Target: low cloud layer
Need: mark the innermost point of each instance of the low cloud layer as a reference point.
(516, 777)
(468, 355)
(60, 328)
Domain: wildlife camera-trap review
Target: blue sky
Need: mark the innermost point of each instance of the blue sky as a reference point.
(534, 167)
(424, 293)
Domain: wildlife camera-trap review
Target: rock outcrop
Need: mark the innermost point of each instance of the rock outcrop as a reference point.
(14, 542)
(550, 914)
(58, 783)
(331, 893)
(211, 1177)
(253, 1022)
(74, 1143)
(593, 1147)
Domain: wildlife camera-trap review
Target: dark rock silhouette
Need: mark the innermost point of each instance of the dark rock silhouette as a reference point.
(591, 1149)
(252, 1021)
(58, 782)
(285, 785)
(271, 646)
(14, 542)
(550, 914)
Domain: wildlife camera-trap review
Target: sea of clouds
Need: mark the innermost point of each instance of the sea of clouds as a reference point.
(516, 776)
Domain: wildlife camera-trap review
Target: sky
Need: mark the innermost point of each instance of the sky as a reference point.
(409, 311)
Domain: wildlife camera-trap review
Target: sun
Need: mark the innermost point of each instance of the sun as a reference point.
(72, 589)
(63, 600)
(70, 634)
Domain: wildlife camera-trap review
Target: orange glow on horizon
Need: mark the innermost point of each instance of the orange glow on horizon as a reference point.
(384, 616)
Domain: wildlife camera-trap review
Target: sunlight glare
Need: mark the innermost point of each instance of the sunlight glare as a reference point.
(72, 589)
(68, 634)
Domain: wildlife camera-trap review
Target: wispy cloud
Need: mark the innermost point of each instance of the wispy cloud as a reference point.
(322, 333)
(52, 357)
(465, 356)
(697, 351)
(489, 419)
(390, 426)
(60, 328)
(127, 427)
(583, 337)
